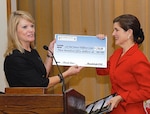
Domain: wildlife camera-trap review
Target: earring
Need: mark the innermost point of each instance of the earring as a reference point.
(128, 37)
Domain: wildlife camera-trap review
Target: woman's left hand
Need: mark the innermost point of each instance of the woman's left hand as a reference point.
(114, 102)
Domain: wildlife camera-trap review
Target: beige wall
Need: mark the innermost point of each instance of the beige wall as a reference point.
(3, 41)
(3, 38)
(87, 17)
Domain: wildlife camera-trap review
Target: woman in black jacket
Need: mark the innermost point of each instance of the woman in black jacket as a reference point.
(23, 66)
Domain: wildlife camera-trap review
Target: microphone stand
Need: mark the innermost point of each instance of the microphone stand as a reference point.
(60, 73)
(63, 84)
(61, 76)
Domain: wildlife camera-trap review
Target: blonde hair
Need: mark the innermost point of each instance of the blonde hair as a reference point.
(13, 41)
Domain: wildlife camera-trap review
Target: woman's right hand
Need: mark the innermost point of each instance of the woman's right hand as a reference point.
(101, 36)
(51, 45)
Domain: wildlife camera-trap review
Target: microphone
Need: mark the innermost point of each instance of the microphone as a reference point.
(60, 73)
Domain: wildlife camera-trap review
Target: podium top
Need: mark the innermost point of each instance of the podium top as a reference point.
(70, 102)
(26, 90)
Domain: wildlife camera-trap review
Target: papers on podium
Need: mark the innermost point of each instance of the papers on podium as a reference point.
(81, 50)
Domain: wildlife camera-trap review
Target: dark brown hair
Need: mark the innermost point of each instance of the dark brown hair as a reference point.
(128, 21)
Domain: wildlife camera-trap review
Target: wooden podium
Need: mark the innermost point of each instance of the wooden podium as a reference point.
(30, 100)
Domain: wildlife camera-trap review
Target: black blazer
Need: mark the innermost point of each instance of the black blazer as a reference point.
(25, 69)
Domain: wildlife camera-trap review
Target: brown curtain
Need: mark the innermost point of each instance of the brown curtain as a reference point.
(86, 17)
(8, 8)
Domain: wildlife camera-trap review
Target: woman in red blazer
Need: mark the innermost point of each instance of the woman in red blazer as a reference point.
(128, 67)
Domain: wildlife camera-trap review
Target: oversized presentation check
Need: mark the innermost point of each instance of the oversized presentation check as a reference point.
(81, 50)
